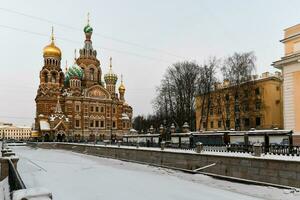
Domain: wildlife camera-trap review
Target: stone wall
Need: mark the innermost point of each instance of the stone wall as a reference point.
(280, 172)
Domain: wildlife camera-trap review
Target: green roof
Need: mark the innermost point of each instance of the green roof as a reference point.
(88, 29)
(73, 72)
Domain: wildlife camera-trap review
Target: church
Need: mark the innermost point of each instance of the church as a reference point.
(77, 105)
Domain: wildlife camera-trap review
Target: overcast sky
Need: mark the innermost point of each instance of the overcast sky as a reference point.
(143, 37)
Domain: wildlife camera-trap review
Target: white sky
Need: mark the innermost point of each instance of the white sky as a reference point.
(164, 31)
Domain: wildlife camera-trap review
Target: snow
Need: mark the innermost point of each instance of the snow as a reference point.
(70, 175)
(32, 194)
(205, 152)
(4, 189)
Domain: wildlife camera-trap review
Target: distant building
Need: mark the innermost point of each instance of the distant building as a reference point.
(10, 131)
(80, 103)
(5, 124)
(258, 105)
(290, 66)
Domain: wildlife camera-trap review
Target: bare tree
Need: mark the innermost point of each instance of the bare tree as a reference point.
(206, 81)
(238, 70)
(176, 94)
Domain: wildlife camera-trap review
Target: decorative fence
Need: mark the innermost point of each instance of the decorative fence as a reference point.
(273, 149)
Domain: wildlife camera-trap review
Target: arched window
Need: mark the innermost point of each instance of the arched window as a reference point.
(92, 71)
(53, 78)
(61, 78)
(45, 76)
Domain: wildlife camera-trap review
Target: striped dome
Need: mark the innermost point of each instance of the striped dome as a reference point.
(74, 72)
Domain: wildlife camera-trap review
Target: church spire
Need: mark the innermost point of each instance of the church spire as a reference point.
(75, 52)
(88, 30)
(122, 89)
(66, 66)
(88, 18)
(110, 78)
(52, 34)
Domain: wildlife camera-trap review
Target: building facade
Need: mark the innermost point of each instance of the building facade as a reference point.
(290, 66)
(10, 131)
(77, 104)
(257, 105)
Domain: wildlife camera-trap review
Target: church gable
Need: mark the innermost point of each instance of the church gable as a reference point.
(98, 92)
(60, 126)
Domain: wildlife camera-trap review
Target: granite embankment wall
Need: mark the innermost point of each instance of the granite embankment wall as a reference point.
(282, 172)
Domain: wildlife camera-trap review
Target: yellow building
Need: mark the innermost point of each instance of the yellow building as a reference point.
(258, 105)
(15, 132)
(290, 66)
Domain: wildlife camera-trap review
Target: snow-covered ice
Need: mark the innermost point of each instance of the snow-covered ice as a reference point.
(71, 175)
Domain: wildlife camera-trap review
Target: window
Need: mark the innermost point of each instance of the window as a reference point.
(219, 111)
(102, 124)
(92, 108)
(91, 123)
(211, 111)
(92, 74)
(246, 122)
(114, 124)
(97, 109)
(46, 77)
(97, 124)
(237, 123)
(258, 121)
(114, 110)
(102, 109)
(236, 97)
(53, 78)
(246, 94)
(77, 123)
(204, 124)
(227, 108)
(227, 123)
(77, 108)
(246, 107)
(227, 97)
(219, 124)
(212, 124)
(257, 91)
(236, 108)
(124, 124)
(257, 105)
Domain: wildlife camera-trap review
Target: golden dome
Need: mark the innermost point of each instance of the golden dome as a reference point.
(122, 86)
(51, 50)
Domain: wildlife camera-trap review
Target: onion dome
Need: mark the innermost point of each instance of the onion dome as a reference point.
(122, 86)
(88, 29)
(74, 72)
(110, 77)
(51, 50)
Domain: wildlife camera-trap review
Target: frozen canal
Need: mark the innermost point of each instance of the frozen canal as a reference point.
(75, 176)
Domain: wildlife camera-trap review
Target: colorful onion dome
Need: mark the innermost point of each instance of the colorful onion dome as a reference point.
(51, 50)
(74, 72)
(88, 29)
(110, 76)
